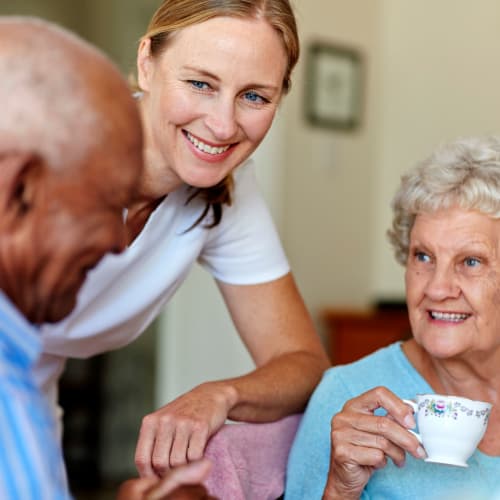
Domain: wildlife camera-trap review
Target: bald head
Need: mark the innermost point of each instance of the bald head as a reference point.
(56, 92)
(70, 158)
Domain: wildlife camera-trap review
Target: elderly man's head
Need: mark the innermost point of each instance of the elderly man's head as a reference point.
(70, 156)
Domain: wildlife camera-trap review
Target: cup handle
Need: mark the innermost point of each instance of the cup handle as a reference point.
(414, 408)
(412, 404)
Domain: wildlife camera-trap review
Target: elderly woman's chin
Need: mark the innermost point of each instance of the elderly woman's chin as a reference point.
(447, 341)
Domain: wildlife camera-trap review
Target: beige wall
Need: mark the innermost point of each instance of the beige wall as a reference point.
(431, 75)
(329, 174)
(440, 78)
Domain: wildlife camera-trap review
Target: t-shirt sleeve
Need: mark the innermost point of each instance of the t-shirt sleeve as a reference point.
(245, 247)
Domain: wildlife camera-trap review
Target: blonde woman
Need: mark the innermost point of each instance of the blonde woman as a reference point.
(211, 76)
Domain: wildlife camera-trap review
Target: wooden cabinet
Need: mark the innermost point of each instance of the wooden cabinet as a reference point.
(352, 334)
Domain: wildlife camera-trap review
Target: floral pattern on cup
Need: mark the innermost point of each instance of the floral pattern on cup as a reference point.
(451, 409)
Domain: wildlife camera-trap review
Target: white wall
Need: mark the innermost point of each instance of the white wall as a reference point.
(432, 73)
(330, 174)
(440, 78)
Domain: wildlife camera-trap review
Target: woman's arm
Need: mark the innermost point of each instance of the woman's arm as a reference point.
(278, 331)
(274, 324)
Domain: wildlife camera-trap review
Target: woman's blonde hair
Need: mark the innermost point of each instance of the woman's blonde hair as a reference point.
(464, 173)
(173, 15)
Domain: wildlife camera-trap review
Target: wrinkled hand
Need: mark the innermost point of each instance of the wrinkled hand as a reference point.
(178, 432)
(361, 442)
(182, 483)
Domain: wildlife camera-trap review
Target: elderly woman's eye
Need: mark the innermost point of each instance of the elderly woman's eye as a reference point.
(422, 257)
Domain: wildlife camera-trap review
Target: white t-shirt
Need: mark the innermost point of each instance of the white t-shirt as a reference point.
(125, 292)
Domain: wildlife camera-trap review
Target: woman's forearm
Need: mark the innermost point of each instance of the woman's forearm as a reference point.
(279, 388)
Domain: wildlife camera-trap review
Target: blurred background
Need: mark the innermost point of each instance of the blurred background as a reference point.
(428, 72)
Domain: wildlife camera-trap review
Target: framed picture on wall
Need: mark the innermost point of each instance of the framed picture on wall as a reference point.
(333, 86)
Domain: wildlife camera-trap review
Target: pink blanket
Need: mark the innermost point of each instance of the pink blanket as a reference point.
(249, 460)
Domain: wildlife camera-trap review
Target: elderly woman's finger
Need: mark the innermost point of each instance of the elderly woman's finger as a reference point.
(381, 397)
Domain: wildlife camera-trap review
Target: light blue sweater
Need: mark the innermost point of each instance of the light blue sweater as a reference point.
(310, 455)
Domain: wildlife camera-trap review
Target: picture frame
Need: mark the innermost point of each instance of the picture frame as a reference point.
(333, 86)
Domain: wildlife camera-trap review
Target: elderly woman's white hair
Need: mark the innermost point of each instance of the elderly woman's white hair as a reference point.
(464, 173)
(51, 114)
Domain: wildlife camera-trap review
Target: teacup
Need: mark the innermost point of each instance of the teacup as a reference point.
(449, 427)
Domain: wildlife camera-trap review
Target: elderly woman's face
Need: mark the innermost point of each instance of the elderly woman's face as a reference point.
(453, 282)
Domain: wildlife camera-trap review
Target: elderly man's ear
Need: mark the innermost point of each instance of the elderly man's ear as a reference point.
(21, 176)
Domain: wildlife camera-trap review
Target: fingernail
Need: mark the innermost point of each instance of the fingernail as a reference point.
(421, 452)
(410, 421)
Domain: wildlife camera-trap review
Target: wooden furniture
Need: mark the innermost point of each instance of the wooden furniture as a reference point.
(352, 334)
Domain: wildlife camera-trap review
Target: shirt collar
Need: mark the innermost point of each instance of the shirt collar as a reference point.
(18, 335)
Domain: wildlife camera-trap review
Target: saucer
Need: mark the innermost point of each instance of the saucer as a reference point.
(446, 461)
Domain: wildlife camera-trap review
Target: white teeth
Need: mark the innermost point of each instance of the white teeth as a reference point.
(449, 316)
(213, 150)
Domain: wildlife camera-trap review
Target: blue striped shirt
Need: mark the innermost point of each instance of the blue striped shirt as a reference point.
(31, 461)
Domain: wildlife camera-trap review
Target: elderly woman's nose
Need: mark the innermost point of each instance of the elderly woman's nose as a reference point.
(442, 283)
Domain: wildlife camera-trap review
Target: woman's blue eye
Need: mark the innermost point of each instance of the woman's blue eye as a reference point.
(472, 262)
(199, 85)
(422, 257)
(254, 97)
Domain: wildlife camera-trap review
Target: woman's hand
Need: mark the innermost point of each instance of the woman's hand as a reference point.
(275, 326)
(361, 442)
(178, 432)
(182, 483)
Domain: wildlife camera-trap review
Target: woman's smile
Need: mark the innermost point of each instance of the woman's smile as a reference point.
(444, 316)
(206, 150)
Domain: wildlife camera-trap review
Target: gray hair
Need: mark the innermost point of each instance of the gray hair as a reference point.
(464, 173)
(46, 106)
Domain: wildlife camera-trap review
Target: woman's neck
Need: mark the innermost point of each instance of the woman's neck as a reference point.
(479, 380)
(473, 379)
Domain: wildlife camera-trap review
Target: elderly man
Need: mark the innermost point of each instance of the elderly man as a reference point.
(70, 154)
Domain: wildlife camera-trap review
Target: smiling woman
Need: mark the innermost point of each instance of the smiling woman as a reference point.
(208, 106)
(211, 77)
(464, 265)
(446, 232)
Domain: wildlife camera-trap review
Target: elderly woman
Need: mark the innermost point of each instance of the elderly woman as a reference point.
(354, 440)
